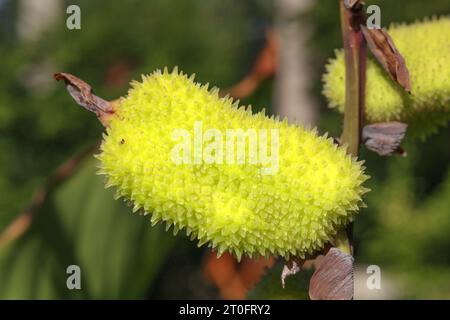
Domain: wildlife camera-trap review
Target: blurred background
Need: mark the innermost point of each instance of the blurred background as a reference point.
(269, 54)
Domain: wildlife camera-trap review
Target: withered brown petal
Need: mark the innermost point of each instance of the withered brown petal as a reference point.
(333, 277)
(81, 92)
(385, 51)
(384, 138)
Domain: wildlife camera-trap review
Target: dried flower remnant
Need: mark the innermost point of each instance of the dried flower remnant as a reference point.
(385, 51)
(333, 277)
(384, 138)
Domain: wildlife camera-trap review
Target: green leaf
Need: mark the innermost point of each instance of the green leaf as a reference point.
(119, 253)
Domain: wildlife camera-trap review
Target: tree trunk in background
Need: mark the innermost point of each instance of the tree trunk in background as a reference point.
(36, 16)
(292, 98)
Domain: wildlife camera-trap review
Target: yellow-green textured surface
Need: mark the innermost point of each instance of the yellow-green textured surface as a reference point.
(316, 189)
(426, 49)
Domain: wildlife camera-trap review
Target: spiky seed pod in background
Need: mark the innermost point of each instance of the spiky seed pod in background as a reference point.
(426, 49)
(292, 212)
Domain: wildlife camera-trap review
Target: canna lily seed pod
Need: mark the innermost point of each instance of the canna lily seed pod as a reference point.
(238, 207)
(425, 47)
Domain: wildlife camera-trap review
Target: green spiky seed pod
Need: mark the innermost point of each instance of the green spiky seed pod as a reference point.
(426, 49)
(236, 207)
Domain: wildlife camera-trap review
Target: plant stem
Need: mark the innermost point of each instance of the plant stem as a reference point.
(355, 63)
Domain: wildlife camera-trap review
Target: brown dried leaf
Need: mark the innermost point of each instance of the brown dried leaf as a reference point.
(385, 51)
(384, 138)
(333, 277)
(83, 95)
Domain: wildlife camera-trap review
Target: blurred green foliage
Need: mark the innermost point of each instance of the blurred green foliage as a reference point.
(404, 229)
(119, 254)
(410, 236)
